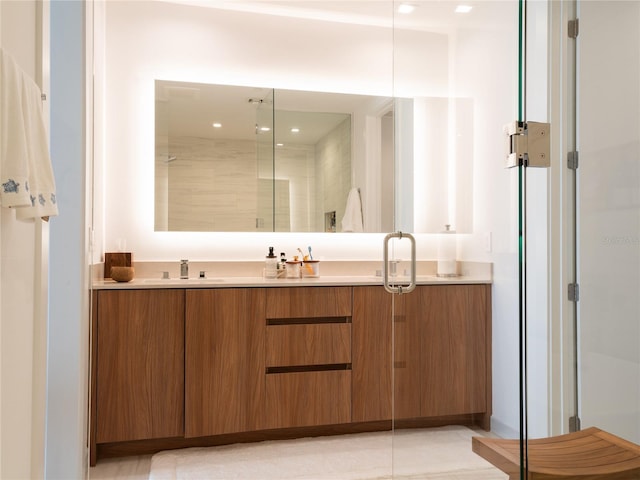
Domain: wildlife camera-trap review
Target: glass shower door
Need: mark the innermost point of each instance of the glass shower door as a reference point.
(608, 217)
(456, 357)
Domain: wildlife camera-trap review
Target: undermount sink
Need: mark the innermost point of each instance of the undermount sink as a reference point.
(160, 281)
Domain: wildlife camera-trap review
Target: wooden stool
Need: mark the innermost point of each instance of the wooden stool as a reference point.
(589, 454)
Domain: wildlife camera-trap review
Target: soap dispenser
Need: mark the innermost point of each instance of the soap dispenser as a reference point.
(271, 265)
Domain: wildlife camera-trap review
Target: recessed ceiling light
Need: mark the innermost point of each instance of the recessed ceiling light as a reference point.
(295, 130)
(406, 8)
(463, 8)
(216, 125)
(279, 144)
(265, 129)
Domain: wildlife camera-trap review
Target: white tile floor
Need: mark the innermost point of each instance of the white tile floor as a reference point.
(446, 463)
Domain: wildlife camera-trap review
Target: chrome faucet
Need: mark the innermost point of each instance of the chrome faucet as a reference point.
(393, 267)
(184, 269)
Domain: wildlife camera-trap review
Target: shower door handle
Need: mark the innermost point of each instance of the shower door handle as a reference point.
(399, 289)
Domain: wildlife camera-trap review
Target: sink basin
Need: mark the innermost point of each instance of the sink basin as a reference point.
(189, 281)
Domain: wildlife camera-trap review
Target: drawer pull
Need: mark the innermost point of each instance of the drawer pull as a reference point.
(309, 368)
(307, 321)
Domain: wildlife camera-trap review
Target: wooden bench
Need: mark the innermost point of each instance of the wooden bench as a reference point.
(589, 454)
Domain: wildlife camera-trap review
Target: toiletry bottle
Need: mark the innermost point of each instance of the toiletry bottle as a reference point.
(271, 266)
(282, 266)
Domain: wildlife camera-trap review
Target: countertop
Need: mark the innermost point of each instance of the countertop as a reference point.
(322, 281)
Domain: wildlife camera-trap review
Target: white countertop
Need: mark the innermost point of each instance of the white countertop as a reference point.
(322, 281)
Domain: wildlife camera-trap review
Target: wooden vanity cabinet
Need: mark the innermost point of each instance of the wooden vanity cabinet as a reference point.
(308, 356)
(441, 350)
(408, 316)
(182, 367)
(224, 362)
(454, 362)
(372, 342)
(138, 365)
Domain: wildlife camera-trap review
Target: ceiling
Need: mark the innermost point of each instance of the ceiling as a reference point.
(430, 15)
(193, 108)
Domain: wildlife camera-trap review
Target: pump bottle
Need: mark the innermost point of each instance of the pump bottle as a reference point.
(271, 265)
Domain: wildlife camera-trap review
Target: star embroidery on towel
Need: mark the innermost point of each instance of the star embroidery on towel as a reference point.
(26, 185)
(33, 200)
(41, 200)
(53, 198)
(11, 186)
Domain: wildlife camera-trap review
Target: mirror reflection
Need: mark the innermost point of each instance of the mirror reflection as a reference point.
(237, 158)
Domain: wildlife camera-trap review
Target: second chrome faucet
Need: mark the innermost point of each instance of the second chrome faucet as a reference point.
(184, 269)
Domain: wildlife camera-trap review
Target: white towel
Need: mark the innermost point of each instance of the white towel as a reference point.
(352, 220)
(26, 174)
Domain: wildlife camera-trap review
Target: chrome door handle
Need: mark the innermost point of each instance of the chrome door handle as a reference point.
(399, 289)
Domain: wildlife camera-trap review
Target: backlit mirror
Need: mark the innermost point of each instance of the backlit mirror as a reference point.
(238, 158)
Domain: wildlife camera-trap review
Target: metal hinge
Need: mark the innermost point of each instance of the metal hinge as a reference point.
(528, 144)
(574, 424)
(574, 27)
(572, 160)
(573, 292)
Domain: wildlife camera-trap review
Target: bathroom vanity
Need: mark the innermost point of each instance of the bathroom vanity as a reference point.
(214, 363)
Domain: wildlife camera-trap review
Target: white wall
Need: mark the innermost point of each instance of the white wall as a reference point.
(495, 202)
(150, 40)
(67, 391)
(495, 215)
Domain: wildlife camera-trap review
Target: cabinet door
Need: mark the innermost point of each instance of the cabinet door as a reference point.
(225, 372)
(308, 302)
(308, 344)
(304, 399)
(371, 354)
(454, 349)
(408, 317)
(140, 365)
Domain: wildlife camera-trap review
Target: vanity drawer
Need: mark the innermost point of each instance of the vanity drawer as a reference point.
(303, 399)
(308, 302)
(308, 344)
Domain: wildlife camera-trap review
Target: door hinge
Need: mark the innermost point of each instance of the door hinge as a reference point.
(572, 160)
(528, 144)
(574, 27)
(574, 424)
(573, 292)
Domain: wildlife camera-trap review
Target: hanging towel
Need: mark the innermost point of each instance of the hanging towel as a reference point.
(26, 174)
(352, 220)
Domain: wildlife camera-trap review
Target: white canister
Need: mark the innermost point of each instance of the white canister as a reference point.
(293, 268)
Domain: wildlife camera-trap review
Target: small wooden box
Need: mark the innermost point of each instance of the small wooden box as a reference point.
(116, 259)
